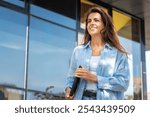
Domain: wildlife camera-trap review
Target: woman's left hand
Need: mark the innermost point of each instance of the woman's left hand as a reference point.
(85, 74)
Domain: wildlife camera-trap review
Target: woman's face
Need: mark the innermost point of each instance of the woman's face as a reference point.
(94, 24)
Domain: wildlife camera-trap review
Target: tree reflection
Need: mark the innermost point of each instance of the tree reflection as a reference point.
(48, 95)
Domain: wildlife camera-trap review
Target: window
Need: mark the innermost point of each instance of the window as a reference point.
(12, 47)
(49, 53)
(61, 12)
(16, 2)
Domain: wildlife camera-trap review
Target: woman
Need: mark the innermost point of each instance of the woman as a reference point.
(105, 72)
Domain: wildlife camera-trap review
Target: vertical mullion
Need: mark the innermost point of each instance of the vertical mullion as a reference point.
(27, 6)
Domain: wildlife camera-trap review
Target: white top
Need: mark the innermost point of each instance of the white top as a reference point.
(93, 66)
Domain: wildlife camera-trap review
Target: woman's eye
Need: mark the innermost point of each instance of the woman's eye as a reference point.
(88, 21)
(97, 20)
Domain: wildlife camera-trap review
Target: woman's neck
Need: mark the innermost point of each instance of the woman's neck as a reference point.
(97, 42)
(96, 45)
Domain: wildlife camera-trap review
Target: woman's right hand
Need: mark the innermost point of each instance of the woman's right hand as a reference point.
(67, 96)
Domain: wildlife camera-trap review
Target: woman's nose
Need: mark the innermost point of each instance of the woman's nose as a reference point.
(92, 22)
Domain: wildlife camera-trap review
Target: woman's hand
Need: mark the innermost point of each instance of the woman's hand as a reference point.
(67, 95)
(85, 74)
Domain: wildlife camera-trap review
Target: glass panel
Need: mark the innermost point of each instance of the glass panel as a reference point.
(10, 94)
(16, 2)
(12, 47)
(56, 12)
(129, 34)
(49, 54)
(85, 5)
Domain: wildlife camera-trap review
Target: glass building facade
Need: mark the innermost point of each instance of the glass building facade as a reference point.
(37, 38)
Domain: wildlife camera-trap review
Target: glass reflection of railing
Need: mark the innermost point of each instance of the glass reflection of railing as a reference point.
(48, 95)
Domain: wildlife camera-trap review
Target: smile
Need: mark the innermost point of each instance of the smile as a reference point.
(93, 28)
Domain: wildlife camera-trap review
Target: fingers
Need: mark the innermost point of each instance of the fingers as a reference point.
(81, 72)
(85, 74)
(67, 95)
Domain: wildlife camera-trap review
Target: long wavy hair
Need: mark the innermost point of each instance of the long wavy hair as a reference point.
(109, 35)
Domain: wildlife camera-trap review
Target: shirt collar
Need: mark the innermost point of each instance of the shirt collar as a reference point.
(105, 46)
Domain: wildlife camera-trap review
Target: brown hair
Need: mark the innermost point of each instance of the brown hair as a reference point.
(109, 35)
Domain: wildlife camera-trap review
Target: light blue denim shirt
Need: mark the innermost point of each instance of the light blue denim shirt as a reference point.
(112, 72)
